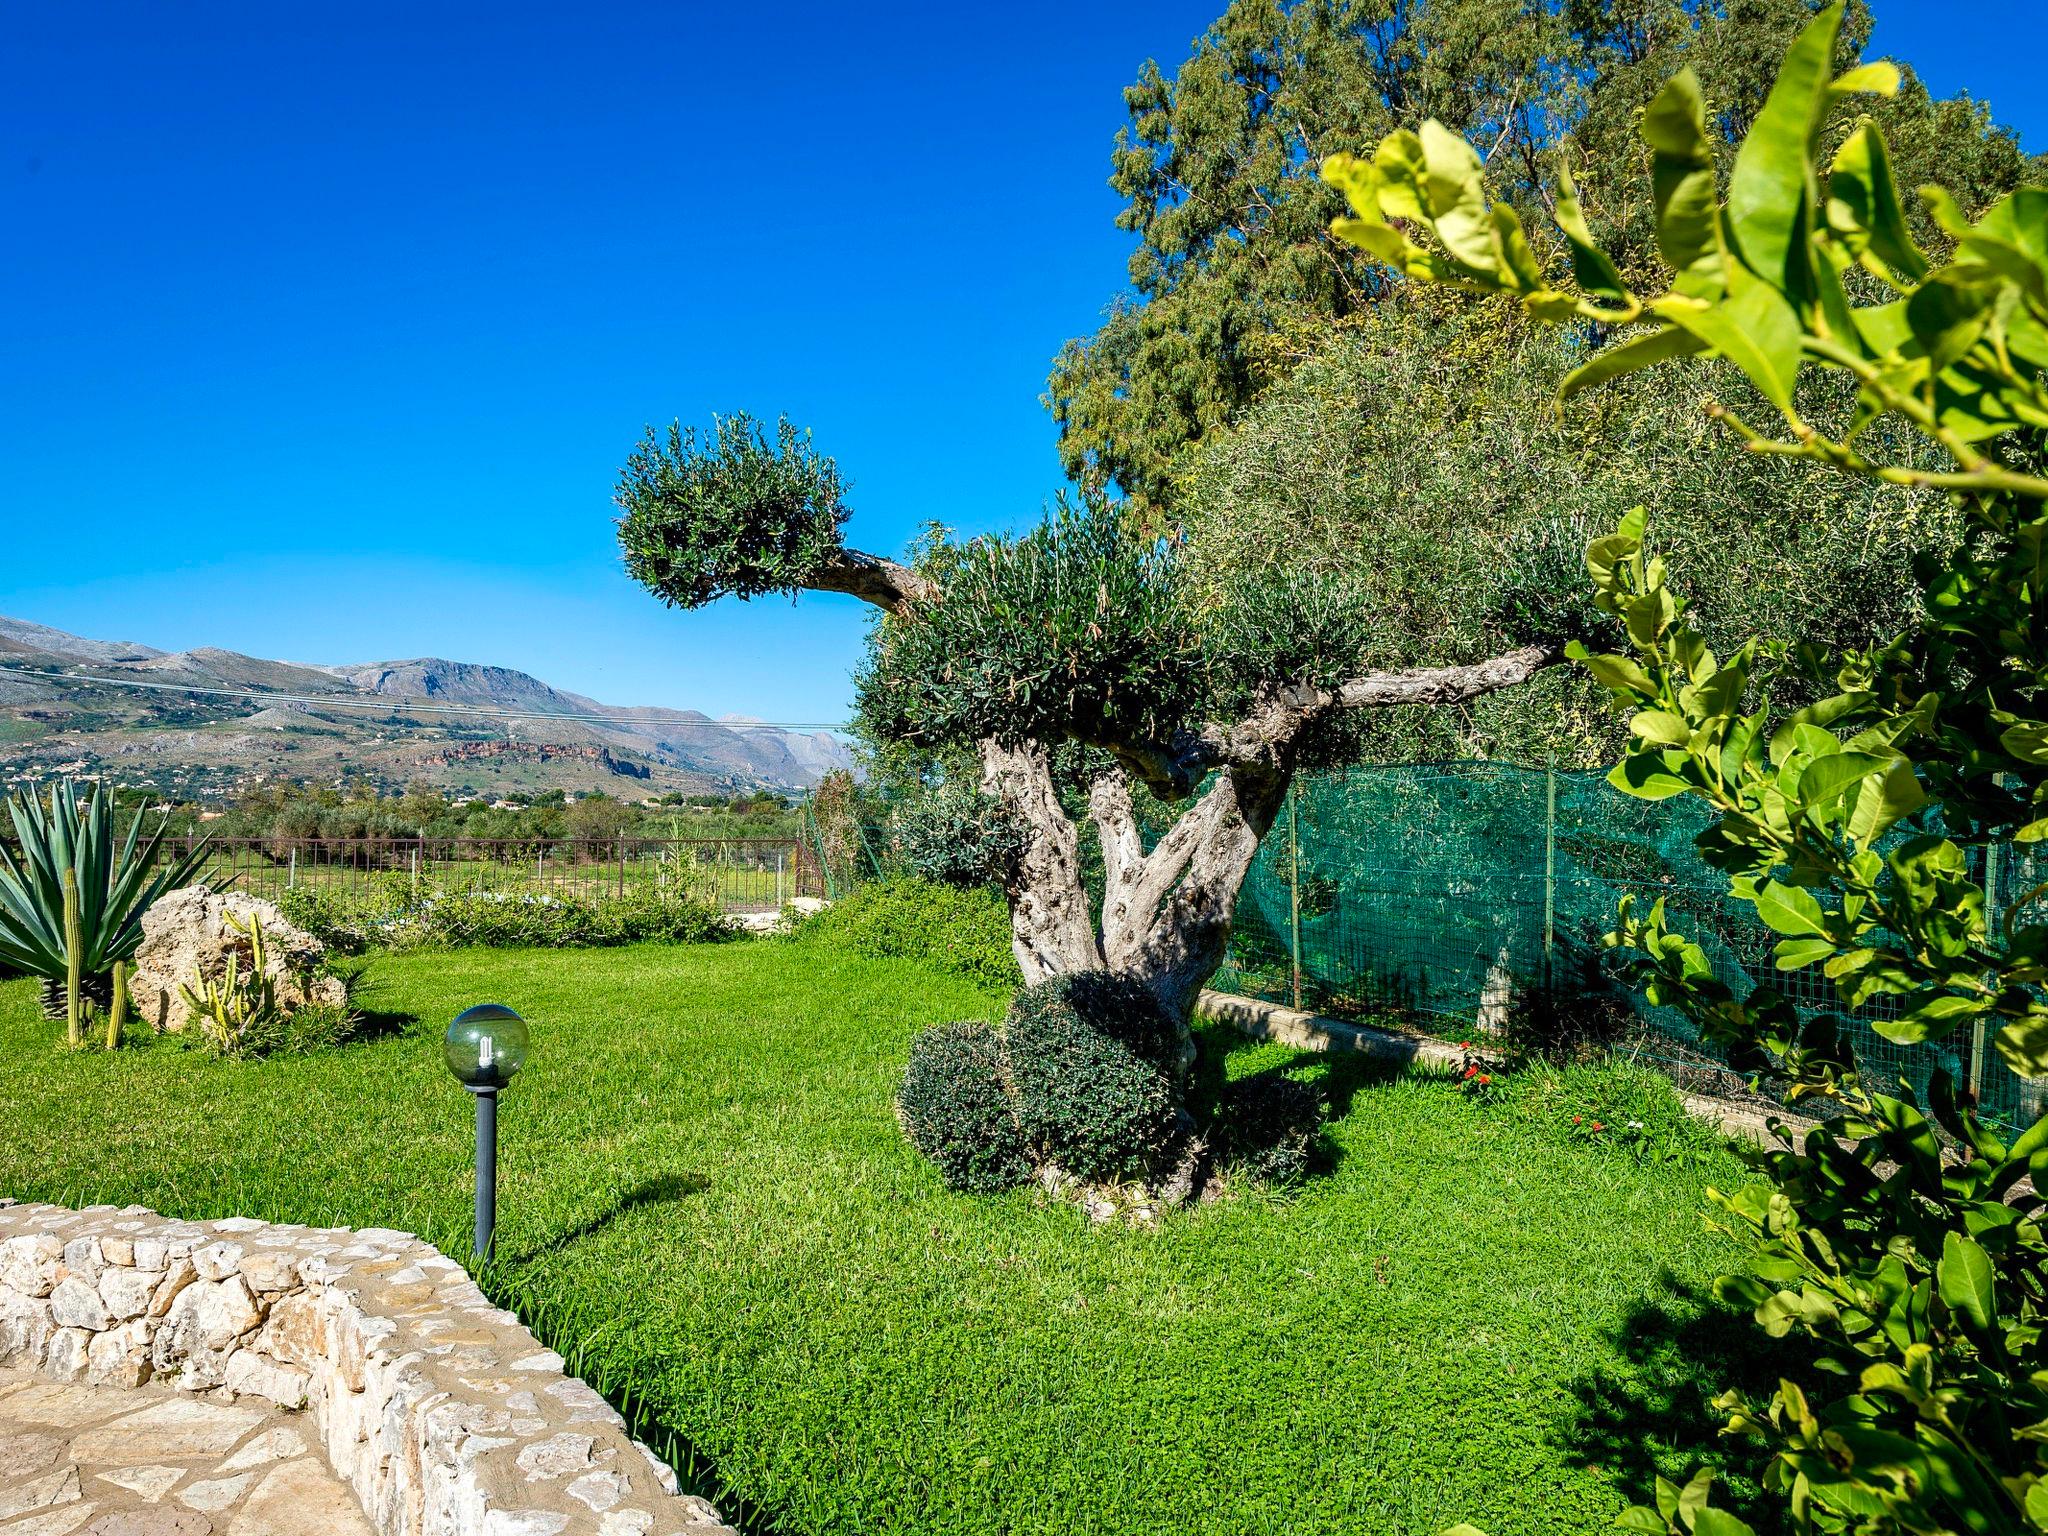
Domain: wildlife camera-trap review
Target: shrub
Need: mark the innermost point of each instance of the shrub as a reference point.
(1266, 1127)
(954, 1109)
(388, 915)
(965, 931)
(295, 1032)
(954, 834)
(1094, 1065)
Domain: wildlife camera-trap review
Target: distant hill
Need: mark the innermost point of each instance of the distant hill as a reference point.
(391, 723)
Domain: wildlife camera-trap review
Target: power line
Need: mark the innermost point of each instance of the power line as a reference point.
(481, 711)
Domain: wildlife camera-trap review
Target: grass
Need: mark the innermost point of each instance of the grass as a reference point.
(1469, 1316)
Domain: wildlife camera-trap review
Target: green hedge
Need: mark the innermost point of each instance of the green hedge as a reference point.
(903, 917)
(955, 1111)
(390, 916)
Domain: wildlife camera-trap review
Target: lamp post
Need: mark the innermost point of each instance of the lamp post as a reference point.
(485, 1047)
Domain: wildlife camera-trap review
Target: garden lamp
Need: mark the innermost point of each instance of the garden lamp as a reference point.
(485, 1047)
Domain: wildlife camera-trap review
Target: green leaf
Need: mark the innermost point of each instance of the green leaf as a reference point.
(1591, 268)
(1718, 1522)
(1647, 776)
(1948, 313)
(1620, 672)
(1789, 909)
(1863, 201)
(1755, 329)
(1638, 352)
(1674, 125)
(1768, 189)
(1457, 196)
(2023, 1045)
(1964, 1277)
(1638, 1517)
(1879, 806)
(1880, 77)
(1829, 778)
(1512, 254)
(1661, 727)
(1797, 954)
(1930, 1016)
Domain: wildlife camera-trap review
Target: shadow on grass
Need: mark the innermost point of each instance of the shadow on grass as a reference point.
(380, 1024)
(1655, 1414)
(1337, 1077)
(655, 1191)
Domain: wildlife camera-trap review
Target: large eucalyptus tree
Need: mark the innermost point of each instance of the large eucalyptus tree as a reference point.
(1071, 658)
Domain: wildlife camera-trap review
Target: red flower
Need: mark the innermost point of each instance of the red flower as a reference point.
(1470, 1070)
(1575, 1119)
(1598, 1126)
(1485, 1080)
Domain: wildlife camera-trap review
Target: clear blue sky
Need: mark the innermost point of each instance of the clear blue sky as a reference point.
(324, 329)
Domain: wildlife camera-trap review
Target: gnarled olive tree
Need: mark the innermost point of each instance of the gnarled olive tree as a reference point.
(1072, 652)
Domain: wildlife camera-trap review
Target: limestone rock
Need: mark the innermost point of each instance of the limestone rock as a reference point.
(299, 1499)
(126, 1292)
(249, 1374)
(29, 1264)
(186, 937)
(120, 1356)
(75, 1304)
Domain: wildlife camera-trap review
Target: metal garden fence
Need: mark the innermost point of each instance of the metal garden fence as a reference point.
(746, 874)
(1446, 892)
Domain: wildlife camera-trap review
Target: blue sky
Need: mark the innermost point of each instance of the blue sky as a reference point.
(325, 329)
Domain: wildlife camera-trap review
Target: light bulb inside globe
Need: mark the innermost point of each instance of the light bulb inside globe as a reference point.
(485, 1046)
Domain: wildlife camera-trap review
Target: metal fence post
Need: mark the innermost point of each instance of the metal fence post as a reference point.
(1977, 1033)
(1549, 871)
(1294, 887)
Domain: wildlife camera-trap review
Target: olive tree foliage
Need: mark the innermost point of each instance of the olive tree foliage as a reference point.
(1235, 260)
(1412, 463)
(1919, 1267)
(1080, 667)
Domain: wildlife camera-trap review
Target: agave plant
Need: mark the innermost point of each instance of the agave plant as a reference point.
(114, 883)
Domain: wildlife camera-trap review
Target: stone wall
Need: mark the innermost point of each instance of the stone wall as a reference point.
(441, 1411)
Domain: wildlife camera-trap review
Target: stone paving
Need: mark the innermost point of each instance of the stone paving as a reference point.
(152, 1461)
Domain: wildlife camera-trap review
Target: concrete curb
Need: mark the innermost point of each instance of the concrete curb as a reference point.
(1315, 1032)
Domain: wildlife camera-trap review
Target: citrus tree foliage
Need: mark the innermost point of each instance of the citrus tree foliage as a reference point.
(1411, 465)
(732, 511)
(1216, 169)
(1844, 823)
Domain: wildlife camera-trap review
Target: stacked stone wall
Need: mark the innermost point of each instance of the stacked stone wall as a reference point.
(443, 1414)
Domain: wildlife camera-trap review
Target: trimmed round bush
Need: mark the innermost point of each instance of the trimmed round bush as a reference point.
(1266, 1127)
(954, 1110)
(1094, 1072)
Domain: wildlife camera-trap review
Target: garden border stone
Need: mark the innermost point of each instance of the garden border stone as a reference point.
(1315, 1032)
(442, 1413)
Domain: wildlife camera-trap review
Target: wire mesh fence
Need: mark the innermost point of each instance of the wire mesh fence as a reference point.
(1446, 893)
(746, 874)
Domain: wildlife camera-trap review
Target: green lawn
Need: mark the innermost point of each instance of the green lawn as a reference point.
(1469, 1317)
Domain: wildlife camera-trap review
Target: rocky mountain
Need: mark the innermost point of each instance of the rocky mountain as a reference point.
(182, 722)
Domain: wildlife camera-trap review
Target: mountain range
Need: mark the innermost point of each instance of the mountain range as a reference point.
(146, 718)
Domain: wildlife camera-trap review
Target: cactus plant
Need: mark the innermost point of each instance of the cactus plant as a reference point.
(117, 1006)
(74, 965)
(227, 1010)
(114, 883)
